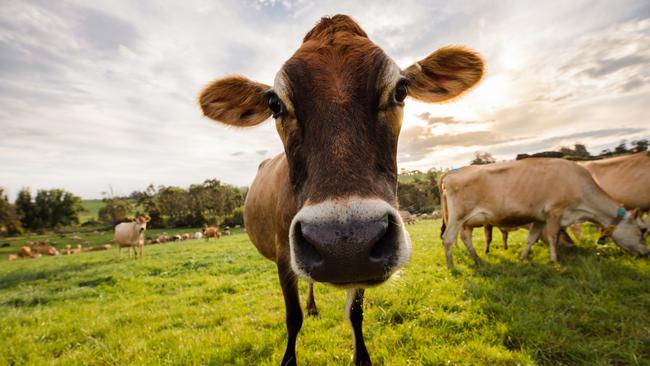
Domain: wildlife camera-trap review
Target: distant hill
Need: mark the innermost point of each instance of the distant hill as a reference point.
(92, 209)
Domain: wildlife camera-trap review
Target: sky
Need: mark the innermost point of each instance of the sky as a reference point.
(98, 95)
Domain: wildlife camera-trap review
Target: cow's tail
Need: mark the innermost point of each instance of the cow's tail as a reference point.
(443, 204)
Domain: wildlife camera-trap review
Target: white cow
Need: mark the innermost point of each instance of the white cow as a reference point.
(198, 235)
(131, 234)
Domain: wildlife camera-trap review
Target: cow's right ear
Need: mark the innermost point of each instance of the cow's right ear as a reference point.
(236, 101)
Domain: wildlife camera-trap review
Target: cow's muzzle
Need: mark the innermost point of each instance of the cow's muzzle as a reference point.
(359, 242)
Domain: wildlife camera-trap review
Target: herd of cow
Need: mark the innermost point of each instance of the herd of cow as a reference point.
(326, 208)
(547, 195)
(131, 235)
(127, 234)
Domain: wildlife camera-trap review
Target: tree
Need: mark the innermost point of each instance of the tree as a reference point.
(481, 158)
(621, 148)
(420, 195)
(25, 208)
(640, 145)
(9, 220)
(50, 208)
(115, 210)
(578, 151)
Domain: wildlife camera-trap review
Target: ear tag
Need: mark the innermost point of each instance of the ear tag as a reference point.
(620, 212)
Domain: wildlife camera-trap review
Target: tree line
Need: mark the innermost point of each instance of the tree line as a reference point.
(207, 203)
(215, 203)
(49, 209)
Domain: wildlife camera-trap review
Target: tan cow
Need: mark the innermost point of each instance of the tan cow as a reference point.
(211, 232)
(45, 250)
(131, 235)
(326, 209)
(626, 179)
(544, 191)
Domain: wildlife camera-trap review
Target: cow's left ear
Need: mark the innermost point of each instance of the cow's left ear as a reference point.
(236, 101)
(635, 214)
(445, 74)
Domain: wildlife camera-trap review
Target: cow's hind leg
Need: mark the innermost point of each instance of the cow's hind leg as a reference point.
(533, 236)
(504, 236)
(466, 236)
(487, 233)
(448, 239)
(312, 310)
(553, 228)
(354, 309)
(289, 285)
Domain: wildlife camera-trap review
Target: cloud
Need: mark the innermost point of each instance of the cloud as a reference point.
(444, 120)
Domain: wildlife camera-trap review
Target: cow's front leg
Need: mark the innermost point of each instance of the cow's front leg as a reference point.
(355, 314)
(289, 285)
(312, 310)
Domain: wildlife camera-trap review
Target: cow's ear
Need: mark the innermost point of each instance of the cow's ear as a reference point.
(445, 74)
(635, 214)
(236, 101)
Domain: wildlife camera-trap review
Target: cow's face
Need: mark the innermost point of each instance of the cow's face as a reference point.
(629, 234)
(141, 224)
(337, 104)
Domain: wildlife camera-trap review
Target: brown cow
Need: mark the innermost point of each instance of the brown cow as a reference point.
(519, 192)
(211, 232)
(625, 178)
(326, 209)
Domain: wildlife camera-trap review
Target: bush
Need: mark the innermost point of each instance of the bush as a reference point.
(237, 217)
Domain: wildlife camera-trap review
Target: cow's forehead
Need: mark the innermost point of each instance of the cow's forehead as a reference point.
(336, 71)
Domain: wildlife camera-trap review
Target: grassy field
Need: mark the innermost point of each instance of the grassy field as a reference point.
(92, 209)
(220, 303)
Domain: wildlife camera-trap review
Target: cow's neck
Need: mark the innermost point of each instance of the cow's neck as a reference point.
(602, 209)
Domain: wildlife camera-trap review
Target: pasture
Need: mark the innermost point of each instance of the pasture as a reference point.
(220, 303)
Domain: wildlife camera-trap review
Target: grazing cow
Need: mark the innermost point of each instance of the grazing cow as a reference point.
(175, 238)
(226, 231)
(326, 209)
(5, 245)
(12, 257)
(67, 250)
(97, 248)
(26, 252)
(45, 250)
(198, 235)
(520, 192)
(626, 179)
(211, 232)
(131, 235)
(185, 236)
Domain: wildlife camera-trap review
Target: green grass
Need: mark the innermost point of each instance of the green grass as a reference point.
(92, 209)
(220, 303)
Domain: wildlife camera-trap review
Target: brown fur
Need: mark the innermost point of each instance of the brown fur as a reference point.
(625, 178)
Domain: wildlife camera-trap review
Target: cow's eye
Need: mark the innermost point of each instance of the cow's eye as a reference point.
(275, 104)
(401, 90)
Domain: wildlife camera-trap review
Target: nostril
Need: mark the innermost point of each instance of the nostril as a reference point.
(384, 247)
(305, 248)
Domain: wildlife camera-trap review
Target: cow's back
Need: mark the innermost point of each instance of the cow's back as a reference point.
(269, 208)
(124, 233)
(517, 192)
(625, 178)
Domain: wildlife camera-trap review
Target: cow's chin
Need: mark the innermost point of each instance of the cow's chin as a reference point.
(348, 243)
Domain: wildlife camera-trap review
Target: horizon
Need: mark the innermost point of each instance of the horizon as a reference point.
(99, 95)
